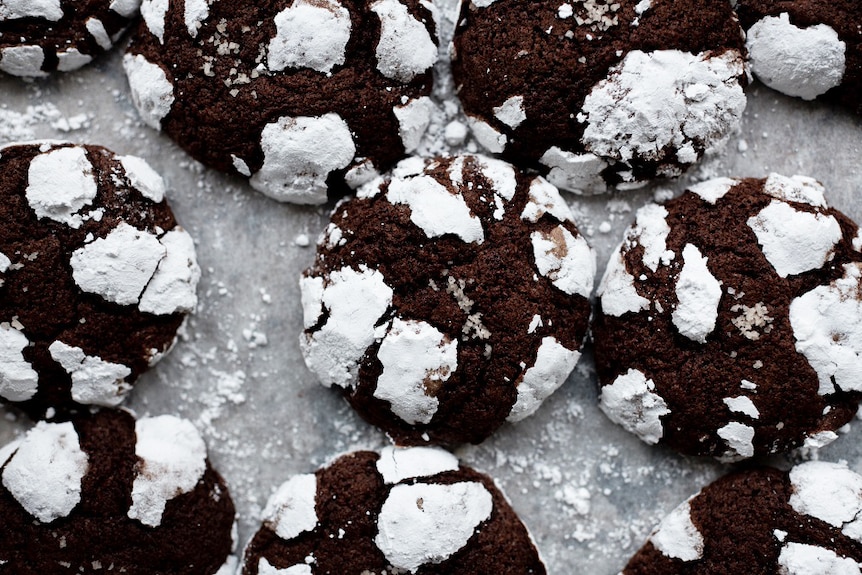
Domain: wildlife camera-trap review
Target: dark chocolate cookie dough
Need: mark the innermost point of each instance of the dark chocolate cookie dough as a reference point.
(598, 92)
(730, 320)
(107, 494)
(412, 510)
(95, 274)
(41, 36)
(447, 298)
(292, 94)
(762, 522)
(807, 48)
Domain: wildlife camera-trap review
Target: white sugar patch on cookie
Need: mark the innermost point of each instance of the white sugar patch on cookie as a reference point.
(650, 232)
(502, 176)
(617, 289)
(677, 537)
(264, 567)
(118, 267)
(553, 364)
(310, 34)
(45, 473)
(46, 9)
(196, 11)
(172, 459)
(355, 301)
(290, 511)
(60, 183)
(801, 62)
(417, 360)
(18, 380)
(662, 100)
(740, 441)
(173, 286)
(804, 559)
(800, 189)
(94, 380)
(698, 294)
(795, 242)
(405, 48)
(24, 61)
(72, 59)
(743, 405)
(154, 13)
(414, 117)
(490, 139)
(399, 463)
(544, 198)
(428, 523)
(713, 190)
(126, 8)
(152, 92)
(511, 112)
(578, 173)
(97, 30)
(630, 402)
(143, 178)
(435, 209)
(830, 492)
(299, 154)
(568, 261)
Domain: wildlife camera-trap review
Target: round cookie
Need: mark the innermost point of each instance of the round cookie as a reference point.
(761, 522)
(729, 320)
(293, 95)
(448, 298)
(42, 36)
(600, 92)
(413, 510)
(106, 492)
(95, 275)
(806, 48)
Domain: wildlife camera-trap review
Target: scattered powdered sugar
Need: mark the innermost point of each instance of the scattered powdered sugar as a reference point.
(94, 380)
(630, 401)
(406, 48)
(18, 380)
(677, 537)
(804, 559)
(399, 463)
(60, 184)
(698, 294)
(310, 34)
(152, 92)
(290, 511)
(742, 404)
(739, 438)
(650, 232)
(568, 261)
(553, 364)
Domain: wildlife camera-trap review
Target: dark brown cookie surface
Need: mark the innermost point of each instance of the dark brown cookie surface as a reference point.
(448, 298)
(40, 36)
(288, 93)
(595, 92)
(729, 320)
(409, 510)
(95, 275)
(807, 48)
(106, 493)
(762, 522)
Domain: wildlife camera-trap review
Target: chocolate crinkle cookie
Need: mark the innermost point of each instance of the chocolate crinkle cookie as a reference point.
(413, 510)
(730, 320)
(598, 92)
(807, 48)
(448, 298)
(38, 37)
(293, 95)
(107, 494)
(96, 276)
(762, 522)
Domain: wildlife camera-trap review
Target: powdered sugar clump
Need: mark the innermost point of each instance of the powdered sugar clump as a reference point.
(60, 184)
(630, 401)
(553, 364)
(397, 463)
(290, 511)
(18, 380)
(152, 92)
(698, 295)
(310, 35)
(406, 48)
(677, 537)
(94, 380)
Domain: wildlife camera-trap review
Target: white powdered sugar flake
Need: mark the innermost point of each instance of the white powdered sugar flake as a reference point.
(196, 11)
(713, 190)
(173, 286)
(414, 118)
(742, 404)
(630, 401)
(830, 492)
(25, 61)
(568, 261)
(617, 289)
(143, 178)
(152, 92)
(97, 30)
(578, 173)
(800, 189)
(544, 198)
(154, 12)
(290, 511)
(553, 364)
(46, 9)
(487, 136)
(511, 112)
(677, 537)
(127, 8)
(804, 559)
(72, 59)
(651, 231)
(740, 441)
(264, 567)
(60, 183)
(94, 381)
(698, 294)
(310, 34)
(399, 463)
(405, 48)
(18, 380)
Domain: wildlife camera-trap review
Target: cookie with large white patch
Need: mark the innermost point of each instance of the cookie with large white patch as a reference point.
(761, 522)
(106, 492)
(295, 95)
(95, 275)
(600, 92)
(806, 48)
(729, 320)
(404, 510)
(447, 298)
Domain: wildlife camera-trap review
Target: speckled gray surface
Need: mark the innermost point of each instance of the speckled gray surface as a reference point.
(589, 491)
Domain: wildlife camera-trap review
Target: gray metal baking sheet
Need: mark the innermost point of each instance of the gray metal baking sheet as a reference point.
(588, 491)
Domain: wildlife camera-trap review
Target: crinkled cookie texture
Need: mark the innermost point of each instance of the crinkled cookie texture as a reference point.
(448, 298)
(106, 493)
(762, 522)
(404, 510)
(95, 275)
(38, 37)
(600, 92)
(730, 320)
(295, 95)
(807, 48)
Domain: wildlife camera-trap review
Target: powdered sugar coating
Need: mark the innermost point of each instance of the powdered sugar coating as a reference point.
(803, 559)
(196, 11)
(650, 232)
(487, 136)
(740, 441)
(405, 48)
(742, 404)
(152, 92)
(143, 177)
(97, 30)
(290, 511)
(801, 62)
(399, 463)
(265, 568)
(60, 184)
(94, 381)
(154, 13)
(14, 9)
(172, 458)
(428, 523)
(72, 59)
(511, 112)
(173, 286)
(413, 120)
(568, 261)
(18, 380)
(698, 295)
(578, 173)
(127, 8)
(713, 190)
(45, 473)
(545, 198)
(310, 35)
(552, 367)
(676, 536)
(617, 289)
(797, 188)
(25, 61)
(631, 401)
(830, 492)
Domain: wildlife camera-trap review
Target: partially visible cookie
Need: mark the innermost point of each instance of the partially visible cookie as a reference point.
(38, 37)
(600, 92)
(730, 320)
(95, 275)
(293, 95)
(412, 510)
(762, 522)
(106, 493)
(807, 48)
(448, 298)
